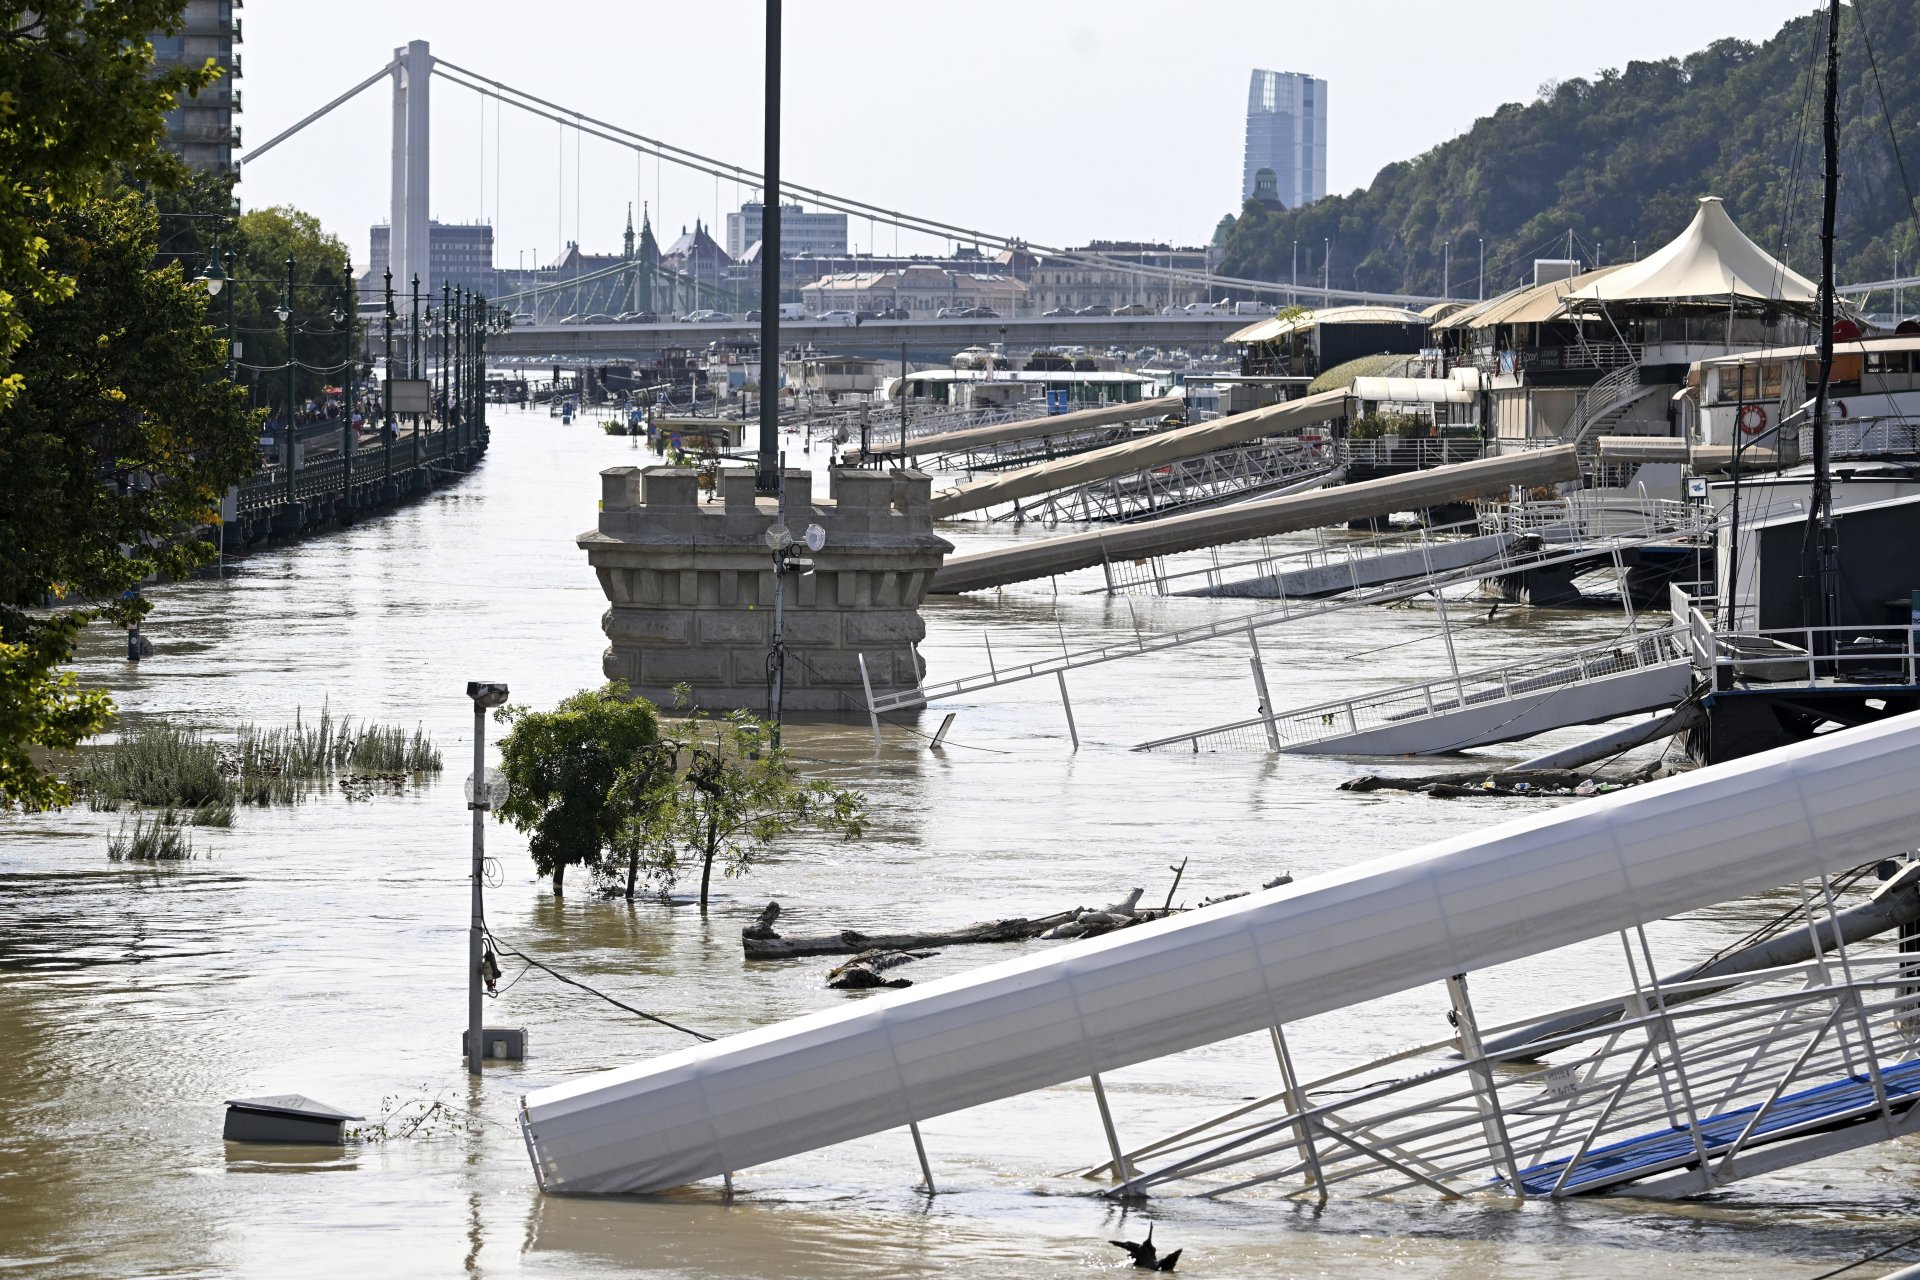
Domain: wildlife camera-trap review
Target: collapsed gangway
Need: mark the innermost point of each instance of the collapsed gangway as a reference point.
(1053, 436)
(1370, 499)
(1643, 671)
(1132, 456)
(1725, 1088)
(1264, 468)
(1516, 558)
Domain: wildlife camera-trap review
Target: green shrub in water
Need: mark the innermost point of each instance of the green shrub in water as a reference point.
(161, 839)
(157, 765)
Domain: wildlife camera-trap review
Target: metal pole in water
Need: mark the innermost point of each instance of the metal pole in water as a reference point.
(1065, 703)
(485, 695)
(873, 715)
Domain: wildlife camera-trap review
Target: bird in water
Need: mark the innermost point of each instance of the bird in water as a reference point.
(1145, 1256)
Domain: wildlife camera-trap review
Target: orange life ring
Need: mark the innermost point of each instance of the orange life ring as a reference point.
(1753, 420)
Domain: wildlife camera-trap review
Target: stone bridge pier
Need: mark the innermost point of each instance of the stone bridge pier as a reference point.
(689, 578)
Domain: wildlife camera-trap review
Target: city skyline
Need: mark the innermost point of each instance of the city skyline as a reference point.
(540, 185)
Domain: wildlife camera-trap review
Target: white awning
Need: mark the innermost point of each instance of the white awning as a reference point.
(1411, 390)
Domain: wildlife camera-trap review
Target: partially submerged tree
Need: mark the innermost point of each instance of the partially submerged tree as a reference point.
(731, 794)
(567, 771)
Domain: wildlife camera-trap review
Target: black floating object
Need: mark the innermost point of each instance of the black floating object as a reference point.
(284, 1117)
(1145, 1256)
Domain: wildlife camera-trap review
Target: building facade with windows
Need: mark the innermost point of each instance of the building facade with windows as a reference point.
(458, 253)
(922, 291)
(1287, 133)
(1122, 280)
(201, 130)
(800, 231)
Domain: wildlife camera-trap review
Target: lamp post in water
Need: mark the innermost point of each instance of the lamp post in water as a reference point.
(480, 799)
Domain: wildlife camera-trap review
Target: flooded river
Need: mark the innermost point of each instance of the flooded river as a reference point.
(321, 949)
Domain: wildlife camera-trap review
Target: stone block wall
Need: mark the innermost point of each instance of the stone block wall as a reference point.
(690, 581)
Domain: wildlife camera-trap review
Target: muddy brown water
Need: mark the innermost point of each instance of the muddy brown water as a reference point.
(321, 949)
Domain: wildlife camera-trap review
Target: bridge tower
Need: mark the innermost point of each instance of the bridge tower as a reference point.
(410, 246)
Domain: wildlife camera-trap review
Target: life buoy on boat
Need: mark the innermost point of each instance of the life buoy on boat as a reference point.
(1753, 420)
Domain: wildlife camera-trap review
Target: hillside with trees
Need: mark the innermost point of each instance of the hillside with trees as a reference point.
(1623, 157)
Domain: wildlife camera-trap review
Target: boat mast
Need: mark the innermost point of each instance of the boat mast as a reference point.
(1821, 584)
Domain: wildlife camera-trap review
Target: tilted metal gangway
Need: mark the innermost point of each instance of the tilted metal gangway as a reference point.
(1191, 484)
(1647, 671)
(1511, 559)
(1800, 1061)
(1132, 456)
(1260, 569)
(1000, 442)
(1262, 517)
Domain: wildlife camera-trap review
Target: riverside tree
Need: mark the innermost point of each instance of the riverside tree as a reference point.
(569, 772)
(727, 796)
(117, 434)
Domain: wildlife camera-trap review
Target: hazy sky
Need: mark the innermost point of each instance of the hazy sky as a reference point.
(1052, 120)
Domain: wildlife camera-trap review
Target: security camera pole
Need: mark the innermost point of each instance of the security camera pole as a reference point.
(485, 696)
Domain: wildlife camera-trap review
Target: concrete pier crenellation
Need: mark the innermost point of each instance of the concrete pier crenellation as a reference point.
(690, 578)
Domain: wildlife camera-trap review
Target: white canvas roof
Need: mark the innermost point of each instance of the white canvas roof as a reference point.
(1712, 258)
(1271, 958)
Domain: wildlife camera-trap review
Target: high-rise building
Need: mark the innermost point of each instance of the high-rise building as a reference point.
(1287, 133)
(800, 232)
(458, 253)
(200, 130)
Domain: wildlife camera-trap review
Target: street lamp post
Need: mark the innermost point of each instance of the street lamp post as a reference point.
(386, 383)
(285, 311)
(485, 695)
(446, 370)
(414, 365)
(347, 316)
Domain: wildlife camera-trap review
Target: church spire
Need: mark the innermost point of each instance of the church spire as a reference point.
(628, 255)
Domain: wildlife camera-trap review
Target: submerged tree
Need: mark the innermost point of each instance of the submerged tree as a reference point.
(727, 796)
(568, 770)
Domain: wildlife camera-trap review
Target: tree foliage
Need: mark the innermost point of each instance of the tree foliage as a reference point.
(563, 766)
(80, 105)
(117, 438)
(1623, 157)
(722, 797)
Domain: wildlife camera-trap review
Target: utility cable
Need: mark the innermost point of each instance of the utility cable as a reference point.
(1892, 1248)
(497, 941)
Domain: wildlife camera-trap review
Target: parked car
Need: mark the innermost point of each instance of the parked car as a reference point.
(793, 311)
(864, 316)
(522, 317)
(753, 317)
(950, 313)
(1060, 311)
(1133, 309)
(698, 317)
(572, 319)
(981, 313)
(1095, 310)
(1205, 309)
(598, 318)
(838, 317)
(894, 313)
(646, 317)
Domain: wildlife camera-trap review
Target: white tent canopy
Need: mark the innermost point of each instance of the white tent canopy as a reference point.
(1711, 259)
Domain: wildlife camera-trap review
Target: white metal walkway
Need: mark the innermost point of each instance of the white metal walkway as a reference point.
(1799, 1062)
(1189, 484)
(1601, 682)
(1511, 560)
